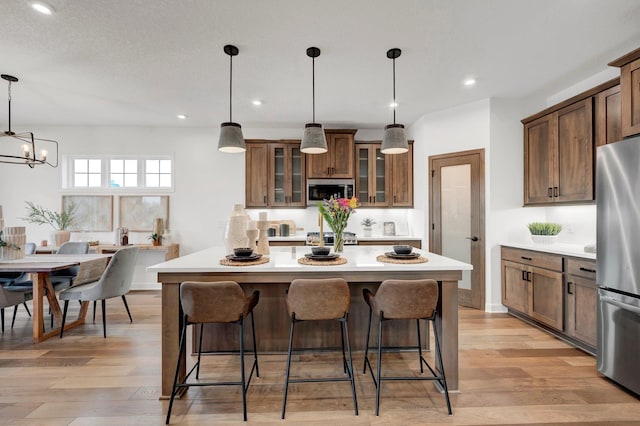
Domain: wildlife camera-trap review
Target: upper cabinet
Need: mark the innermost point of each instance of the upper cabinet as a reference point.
(275, 174)
(629, 66)
(559, 146)
(383, 180)
(559, 156)
(337, 162)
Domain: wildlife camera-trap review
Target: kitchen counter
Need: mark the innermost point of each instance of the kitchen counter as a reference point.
(272, 279)
(574, 250)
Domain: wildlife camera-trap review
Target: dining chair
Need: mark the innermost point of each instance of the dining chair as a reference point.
(64, 278)
(20, 283)
(319, 300)
(405, 300)
(114, 282)
(12, 297)
(222, 302)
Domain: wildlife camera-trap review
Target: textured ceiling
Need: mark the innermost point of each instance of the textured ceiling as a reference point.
(142, 62)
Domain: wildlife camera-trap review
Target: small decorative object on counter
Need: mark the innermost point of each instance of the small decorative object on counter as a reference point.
(367, 224)
(156, 239)
(263, 239)
(544, 232)
(336, 211)
(235, 233)
(252, 235)
(61, 222)
(158, 226)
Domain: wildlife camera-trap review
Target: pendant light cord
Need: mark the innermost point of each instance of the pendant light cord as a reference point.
(313, 86)
(230, 85)
(394, 90)
(9, 91)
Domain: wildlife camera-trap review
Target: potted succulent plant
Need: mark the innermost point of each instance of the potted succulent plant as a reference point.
(544, 232)
(59, 221)
(367, 224)
(156, 239)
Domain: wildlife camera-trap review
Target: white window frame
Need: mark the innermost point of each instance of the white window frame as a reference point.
(68, 174)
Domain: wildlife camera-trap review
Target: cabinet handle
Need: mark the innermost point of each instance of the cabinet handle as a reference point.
(528, 276)
(569, 290)
(556, 192)
(374, 199)
(395, 199)
(549, 193)
(524, 275)
(525, 258)
(265, 199)
(329, 171)
(588, 270)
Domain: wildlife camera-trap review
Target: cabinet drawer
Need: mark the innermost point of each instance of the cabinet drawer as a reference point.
(533, 258)
(581, 268)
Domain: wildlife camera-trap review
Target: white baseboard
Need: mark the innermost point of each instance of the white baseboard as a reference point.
(497, 308)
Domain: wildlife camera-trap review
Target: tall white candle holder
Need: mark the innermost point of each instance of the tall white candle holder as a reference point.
(263, 239)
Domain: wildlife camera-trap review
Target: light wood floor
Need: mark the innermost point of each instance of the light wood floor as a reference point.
(510, 373)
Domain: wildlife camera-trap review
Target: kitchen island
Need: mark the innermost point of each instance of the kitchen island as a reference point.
(362, 270)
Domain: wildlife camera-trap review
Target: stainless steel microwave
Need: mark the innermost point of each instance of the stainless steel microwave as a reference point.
(323, 189)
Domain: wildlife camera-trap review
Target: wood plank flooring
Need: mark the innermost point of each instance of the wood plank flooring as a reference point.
(510, 373)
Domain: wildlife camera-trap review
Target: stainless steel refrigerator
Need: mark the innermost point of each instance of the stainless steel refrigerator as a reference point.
(618, 261)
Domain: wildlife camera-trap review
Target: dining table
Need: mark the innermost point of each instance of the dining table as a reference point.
(90, 268)
(361, 266)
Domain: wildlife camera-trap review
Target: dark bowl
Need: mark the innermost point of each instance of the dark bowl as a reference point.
(402, 249)
(320, 250)
(243, 251)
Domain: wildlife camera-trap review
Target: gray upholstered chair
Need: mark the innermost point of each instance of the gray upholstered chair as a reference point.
(318, 300)
(405, 300)
(222, 302)
(19, 281)
(115, 282)
(12, 297)
(64, 278)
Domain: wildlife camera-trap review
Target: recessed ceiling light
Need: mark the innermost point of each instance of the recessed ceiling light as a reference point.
(182, 116)
(469, 82)
(257, 102)
(393, 105)
(43, 8)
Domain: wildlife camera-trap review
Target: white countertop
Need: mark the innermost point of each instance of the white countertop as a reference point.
(285, 259)
(303, 237)
(575, 250)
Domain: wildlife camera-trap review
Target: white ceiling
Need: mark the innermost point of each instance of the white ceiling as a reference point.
(142, 62)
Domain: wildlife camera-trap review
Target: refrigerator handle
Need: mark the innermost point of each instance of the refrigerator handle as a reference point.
(620, 305)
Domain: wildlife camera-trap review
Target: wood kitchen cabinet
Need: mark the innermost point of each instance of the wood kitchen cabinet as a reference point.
(532, 285)
(559, 156)
(337, 162)
(581, 298)
(630, 92)
(608, 126)
(274, 174)
(383, 180)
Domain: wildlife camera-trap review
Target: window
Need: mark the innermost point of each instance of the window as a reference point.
(118, 173)
(87, 173)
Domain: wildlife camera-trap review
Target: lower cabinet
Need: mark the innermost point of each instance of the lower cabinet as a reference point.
(559, 293)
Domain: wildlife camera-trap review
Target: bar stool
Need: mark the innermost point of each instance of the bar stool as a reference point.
(216, 302)
(404, 299)
(315, 300)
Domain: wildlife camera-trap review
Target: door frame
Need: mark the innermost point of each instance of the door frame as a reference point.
(474, 298)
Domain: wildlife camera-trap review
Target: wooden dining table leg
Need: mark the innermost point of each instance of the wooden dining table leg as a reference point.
(38, 293)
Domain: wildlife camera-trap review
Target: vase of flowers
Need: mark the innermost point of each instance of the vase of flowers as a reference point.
(336, 212)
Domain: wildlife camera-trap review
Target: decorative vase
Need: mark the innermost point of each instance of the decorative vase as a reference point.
(235, 232)
(367, 231)
(544, 239)
(61, 236)
(16, 238)
(338, 242)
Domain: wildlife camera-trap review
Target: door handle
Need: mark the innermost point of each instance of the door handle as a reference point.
(474, 238)
(619, 304)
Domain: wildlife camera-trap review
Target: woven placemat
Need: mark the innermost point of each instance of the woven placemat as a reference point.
(227, 262)
(307, 261)
(386, 259)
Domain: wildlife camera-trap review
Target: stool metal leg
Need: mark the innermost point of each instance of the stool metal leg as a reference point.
(242, 373)
(286, 383)
(255, 351)
(174, 389)
(443, 382)
(199, 351)
(420, 345)
(379, 382)
(344, 356)
(350, 366)
(366, 346)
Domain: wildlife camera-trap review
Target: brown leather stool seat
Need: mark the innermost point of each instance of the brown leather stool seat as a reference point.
(216, 302)
(405, 299)
(315, 300)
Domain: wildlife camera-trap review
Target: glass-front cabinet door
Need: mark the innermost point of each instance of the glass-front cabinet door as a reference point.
(371, 175)
(287, 179)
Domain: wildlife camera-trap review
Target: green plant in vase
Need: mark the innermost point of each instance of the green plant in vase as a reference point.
(156, 239)
(367, 223)
(336, 212)
(544, 232)
(59, 221)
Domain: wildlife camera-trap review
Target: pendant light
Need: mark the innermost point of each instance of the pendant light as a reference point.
(24, 148)
(231, 139)
(313, 138)
(394, 140)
